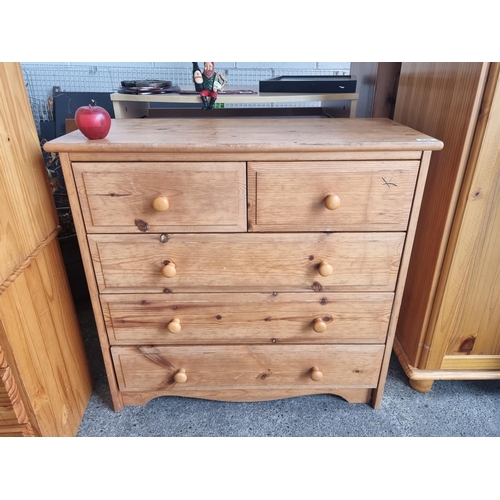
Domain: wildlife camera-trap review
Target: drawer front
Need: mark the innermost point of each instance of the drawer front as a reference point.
(200, 196)
(361, 196)
(224, 318)
(249, 262)
(153, 368)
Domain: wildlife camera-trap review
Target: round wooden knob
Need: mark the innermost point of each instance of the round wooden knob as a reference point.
(319, 326)
(325, 269)
(332, 202)
(169, 270)
(161, 204)
(316, 375)
(180, 377)
(174, 326)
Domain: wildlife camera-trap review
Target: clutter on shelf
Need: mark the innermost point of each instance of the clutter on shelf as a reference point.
(147, 87)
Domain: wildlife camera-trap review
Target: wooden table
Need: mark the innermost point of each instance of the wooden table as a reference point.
(138, 106)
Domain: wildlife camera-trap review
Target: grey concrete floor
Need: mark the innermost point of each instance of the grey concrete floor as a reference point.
(450, 409)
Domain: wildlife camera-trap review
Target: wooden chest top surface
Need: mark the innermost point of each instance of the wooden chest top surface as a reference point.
(300, 134)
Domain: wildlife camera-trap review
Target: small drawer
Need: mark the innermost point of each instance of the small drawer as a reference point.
(127, 197)
(331, 195)
(246, 262)
(174, 369)
(224, 318)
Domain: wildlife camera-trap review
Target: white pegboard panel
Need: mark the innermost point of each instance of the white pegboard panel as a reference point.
(252, 105)
(93, 78)
(308, 104)
(241, 77)
(40, 78)
(308, 72)
(344, 67)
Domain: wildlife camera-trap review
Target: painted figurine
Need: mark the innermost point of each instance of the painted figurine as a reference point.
(209, 84)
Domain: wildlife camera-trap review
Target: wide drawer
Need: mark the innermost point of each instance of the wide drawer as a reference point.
(361, 195)
(247, 262)
(190, 197)
(153, 368)
(223, 318)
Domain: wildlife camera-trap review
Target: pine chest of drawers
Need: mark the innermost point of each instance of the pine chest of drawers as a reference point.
(246, 259)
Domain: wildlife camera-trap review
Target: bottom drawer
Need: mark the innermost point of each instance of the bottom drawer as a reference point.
(249, 367)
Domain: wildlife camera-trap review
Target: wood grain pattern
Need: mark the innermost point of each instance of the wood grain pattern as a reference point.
(285, 262)
(14, 418)
(46, 383)
(240, 316)
(42, 329)
(467, 310)
(27, 208)
(374, 196)
(91, 279)
(234, 135)
(452, 368)
(29, 259)
(403, 273)
(151, 368)
(229, 155)
(115, 195)
(443, 100)
(235, 395)
(224, 318)
(451, 330)
(481, 362)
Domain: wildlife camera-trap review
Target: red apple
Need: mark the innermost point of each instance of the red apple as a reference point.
(93, 122)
